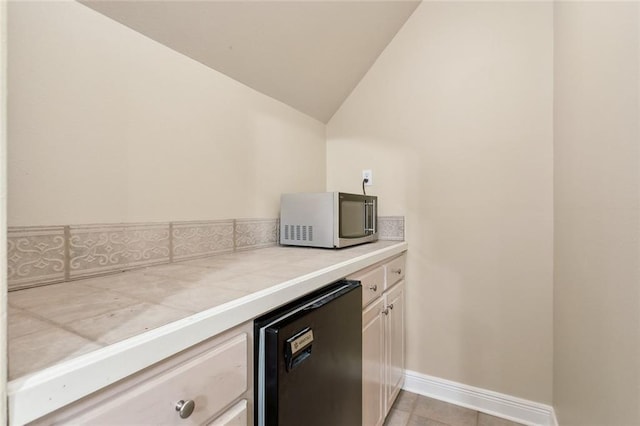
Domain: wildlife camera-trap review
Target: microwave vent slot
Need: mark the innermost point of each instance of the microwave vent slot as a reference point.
(298, 232)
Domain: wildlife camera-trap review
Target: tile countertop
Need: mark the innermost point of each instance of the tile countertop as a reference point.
(68, 340)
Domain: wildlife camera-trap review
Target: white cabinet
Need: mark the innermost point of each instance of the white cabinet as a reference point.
(394, 270)
(191, 388)
(382, 338)
(373, 282)
(394, 343)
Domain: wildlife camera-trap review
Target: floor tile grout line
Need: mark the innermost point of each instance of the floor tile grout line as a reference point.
(416, 419)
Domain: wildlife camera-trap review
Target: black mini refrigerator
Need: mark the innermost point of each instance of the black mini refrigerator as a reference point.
(308, 360)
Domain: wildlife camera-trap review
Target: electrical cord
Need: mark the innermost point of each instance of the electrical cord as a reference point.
(365, 180)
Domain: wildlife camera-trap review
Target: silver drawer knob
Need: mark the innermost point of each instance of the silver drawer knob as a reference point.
(185, 408)
(373, 287)
(397, 271)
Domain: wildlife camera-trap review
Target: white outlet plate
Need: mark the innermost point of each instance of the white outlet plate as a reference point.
(367, 174)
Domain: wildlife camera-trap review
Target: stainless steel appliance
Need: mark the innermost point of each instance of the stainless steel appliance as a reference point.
(328, 219)
(308, 360)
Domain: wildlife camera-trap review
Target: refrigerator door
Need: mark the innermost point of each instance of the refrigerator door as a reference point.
(313, 362)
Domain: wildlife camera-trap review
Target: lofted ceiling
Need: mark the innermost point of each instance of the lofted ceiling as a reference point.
(307, 54)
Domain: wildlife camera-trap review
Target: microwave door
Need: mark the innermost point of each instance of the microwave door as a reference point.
(357, 221)
(353, 218)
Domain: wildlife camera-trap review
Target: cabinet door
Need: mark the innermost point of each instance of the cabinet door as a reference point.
(373, 365)
(394, 343)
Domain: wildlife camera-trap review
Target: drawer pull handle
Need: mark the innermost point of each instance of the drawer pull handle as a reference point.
(185, 408)
(390, 306)
(386, 312)
(373, 287)
(397, 271)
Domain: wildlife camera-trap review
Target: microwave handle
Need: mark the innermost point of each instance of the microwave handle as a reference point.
(370, 207)
(366, 217)
(374, 216)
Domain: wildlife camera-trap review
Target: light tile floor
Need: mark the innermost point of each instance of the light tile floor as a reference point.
(416, 410)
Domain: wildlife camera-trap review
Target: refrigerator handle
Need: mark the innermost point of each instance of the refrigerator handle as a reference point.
(347, 285)
(298, 348)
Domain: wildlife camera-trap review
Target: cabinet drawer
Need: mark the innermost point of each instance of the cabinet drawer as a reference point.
(371, 312)
(234, 416)
(212, 380)
(372, 284)
(394, 270)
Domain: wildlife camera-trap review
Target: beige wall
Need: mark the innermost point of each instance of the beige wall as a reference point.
(455, 120)
(597, 220)
(3, 211)
(106, 125)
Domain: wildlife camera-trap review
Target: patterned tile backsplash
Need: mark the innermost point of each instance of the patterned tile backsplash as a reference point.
(35, 255)
(96, 249)
(39, 255)
(391, 228)
(147, 244)
(99, 249)
(256, 233)
(199, 239)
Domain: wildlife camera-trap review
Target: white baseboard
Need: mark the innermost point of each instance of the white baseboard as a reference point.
(493, 403)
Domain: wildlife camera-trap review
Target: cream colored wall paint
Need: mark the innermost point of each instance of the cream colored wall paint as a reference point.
(106, 125)
(597, 217)
(455, 119)
(334, 42)
(3, 211)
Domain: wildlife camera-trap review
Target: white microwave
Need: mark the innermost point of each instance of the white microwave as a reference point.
(328, 219)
